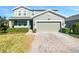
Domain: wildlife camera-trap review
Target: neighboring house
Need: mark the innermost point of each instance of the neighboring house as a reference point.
(41, 20)
(70, 21)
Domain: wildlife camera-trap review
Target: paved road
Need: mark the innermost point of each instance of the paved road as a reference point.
(54, 42)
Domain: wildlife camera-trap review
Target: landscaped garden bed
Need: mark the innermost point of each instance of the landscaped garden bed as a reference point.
(17, 30)
(73, 31)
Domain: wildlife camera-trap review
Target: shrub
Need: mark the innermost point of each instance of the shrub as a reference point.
(3, 28)
(76, 28)
(66, 30)
(18, 30)
(34, 30)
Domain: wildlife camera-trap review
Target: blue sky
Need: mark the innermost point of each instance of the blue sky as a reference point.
(64, 10)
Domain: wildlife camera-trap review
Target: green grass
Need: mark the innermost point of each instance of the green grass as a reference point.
(16, 43)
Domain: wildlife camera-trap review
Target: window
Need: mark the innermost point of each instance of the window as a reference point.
(24, 13)
(25, 23)
(22, 22)
(15, 22)
(19, 14)
(19, 24)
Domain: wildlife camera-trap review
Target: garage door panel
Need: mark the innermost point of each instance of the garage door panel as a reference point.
(48, 26)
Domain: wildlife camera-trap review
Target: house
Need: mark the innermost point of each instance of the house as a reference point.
(71, 20)
(42, 20)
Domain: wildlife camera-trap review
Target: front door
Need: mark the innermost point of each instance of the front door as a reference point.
(31, 24)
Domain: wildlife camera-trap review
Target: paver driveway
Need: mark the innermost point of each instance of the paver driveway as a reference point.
(54, 42)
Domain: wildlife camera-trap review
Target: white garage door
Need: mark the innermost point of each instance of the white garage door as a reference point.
(48, 26)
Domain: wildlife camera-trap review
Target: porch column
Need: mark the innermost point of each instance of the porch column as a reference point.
(10, 24)
(28, 24)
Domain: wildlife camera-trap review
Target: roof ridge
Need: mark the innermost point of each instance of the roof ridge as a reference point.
(50, 10)
(21, 7)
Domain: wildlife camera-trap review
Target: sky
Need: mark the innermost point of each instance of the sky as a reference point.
(64, 10)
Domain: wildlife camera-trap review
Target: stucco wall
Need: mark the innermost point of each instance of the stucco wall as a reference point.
(47, 16)
(22, 11)
(50, 16)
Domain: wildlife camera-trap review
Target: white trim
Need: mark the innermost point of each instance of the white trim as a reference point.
(10, 24)
(20, 26)
(20, 7)
(46, 21)
(49, 20)
(28, 24)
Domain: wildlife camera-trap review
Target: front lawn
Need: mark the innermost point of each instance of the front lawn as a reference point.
(15, 42)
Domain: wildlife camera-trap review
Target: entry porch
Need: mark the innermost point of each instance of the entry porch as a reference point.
(21, 23)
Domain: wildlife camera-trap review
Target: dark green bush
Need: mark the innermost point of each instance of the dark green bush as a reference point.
(18, 30)
(66, 30)
(3, 28)
(76, 28)
(34, 30)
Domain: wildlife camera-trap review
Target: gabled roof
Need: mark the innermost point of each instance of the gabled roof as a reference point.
(38, 10)
(73, 17)
(28, 8)
(51, 11)
(31, 9)
(20, 7)
(16, 18)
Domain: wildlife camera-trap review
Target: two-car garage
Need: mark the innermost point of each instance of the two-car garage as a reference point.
(48, 26)
(49, 21)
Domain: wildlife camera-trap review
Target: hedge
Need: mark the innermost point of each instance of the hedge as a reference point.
(76, 28)
(66, 30)
(17, 30)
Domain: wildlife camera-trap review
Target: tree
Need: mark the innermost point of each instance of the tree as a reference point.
(4, 28)
(3, 24)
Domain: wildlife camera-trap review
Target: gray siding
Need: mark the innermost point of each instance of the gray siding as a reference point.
(69, 24)
(22, 11)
